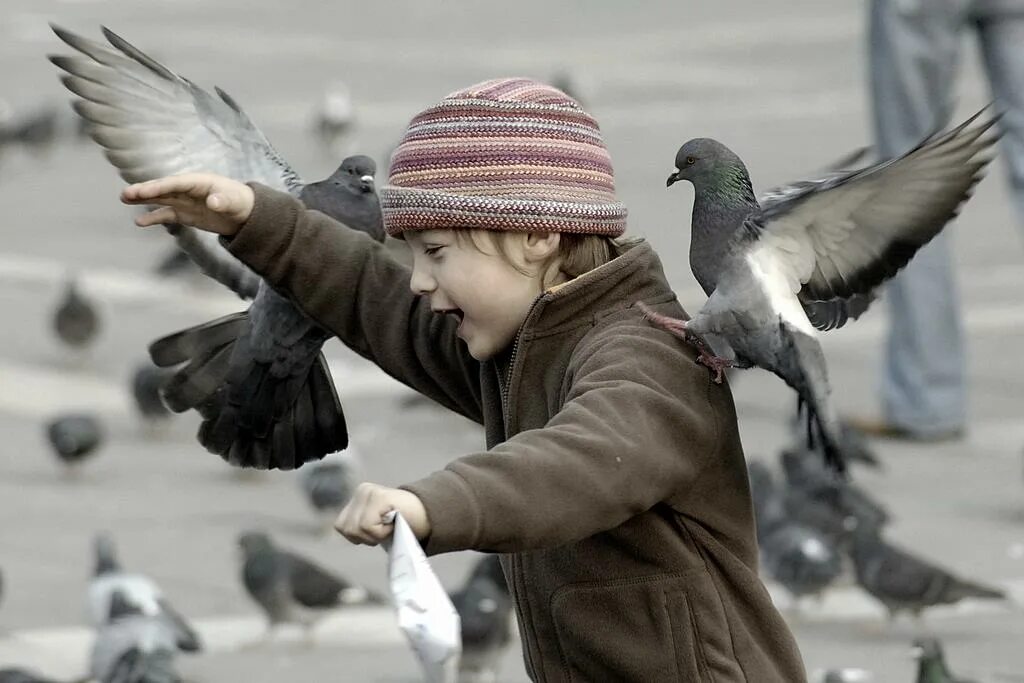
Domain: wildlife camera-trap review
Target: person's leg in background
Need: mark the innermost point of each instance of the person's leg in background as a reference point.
(915, 47)
(1001, 38)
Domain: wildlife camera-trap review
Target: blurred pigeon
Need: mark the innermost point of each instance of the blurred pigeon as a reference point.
(903, 582)
(34, 129)
(564, 81)
(485, 613)
(137, 590)
(845, 676)
(799, 558)
(811, 485)
(853, 442)
(286, 585)
(74, 437)
(334, 118)
(132, 647)
(931, 663)
(16, 675)
(76, 320)
(329, 484)
(777, 271)
(173, 262)
(147, 380)
(257, 378)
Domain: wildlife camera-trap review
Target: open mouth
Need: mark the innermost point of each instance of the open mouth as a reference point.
(456, 312)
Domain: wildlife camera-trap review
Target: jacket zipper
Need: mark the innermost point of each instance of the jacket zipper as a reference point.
(507, 383)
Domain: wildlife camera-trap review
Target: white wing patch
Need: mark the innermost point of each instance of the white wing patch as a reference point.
(774, 283)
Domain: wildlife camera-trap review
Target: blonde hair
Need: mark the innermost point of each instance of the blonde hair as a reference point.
(577, 254)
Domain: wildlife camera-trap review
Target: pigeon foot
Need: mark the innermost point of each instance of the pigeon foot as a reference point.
(717, 364)
(678, 327)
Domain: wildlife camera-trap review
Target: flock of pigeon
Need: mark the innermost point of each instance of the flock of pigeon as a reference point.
(803, 258)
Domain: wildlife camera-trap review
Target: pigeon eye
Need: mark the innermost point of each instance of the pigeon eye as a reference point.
(690, 161)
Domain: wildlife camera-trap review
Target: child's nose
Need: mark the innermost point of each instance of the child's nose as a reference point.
(421, 282)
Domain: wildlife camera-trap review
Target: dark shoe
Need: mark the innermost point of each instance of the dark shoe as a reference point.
(881, 429)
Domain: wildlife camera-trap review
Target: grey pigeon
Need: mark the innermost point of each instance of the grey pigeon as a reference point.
(779, 270)
(799, 558)
(903, 582)
(931, 663)
(846, 676)
(329, 484)
(485, 614)
(75, 320)
(174, 262)
(289, 588)
(132, 647)
(147, 381)
(17, 675)
(34, 129)
(257, 378)
(817, 495)
(138, 590)
(74, 437)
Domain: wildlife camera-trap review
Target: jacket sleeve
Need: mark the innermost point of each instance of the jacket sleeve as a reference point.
(352, 287)
(636, 429)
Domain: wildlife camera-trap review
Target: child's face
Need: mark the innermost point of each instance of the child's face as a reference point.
(488, 295)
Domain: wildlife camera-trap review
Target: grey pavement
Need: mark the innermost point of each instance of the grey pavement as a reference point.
(782, 83)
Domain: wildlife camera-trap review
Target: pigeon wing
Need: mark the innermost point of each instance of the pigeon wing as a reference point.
(313, 586)
(841, 236)
(153, 122)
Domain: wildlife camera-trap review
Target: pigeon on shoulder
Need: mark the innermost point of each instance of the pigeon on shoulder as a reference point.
(808, 256)
(257, 378)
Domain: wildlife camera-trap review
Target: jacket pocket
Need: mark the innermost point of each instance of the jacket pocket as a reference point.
(637, 629)
(690, 659)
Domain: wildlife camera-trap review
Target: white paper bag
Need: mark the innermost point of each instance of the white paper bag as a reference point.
(425, 613)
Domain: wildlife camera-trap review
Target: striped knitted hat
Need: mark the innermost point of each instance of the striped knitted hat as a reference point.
(506, 154)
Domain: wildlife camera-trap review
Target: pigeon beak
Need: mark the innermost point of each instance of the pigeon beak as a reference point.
(672, 179)
(367, 179)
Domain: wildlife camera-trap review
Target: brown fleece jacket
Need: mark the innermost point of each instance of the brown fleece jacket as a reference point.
(614, 482)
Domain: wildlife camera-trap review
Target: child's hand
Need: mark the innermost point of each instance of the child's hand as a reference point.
(204, 200)
(361, 521)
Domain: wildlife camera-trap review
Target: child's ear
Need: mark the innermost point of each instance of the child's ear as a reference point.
(541, 246)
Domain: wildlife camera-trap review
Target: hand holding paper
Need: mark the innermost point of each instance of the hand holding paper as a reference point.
(362, 520)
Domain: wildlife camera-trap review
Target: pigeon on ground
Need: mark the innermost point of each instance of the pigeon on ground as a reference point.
(329, 484)
(817, 496)
(903, 582)
(931, 663)
(76, 319)
(809, 256)
(847, 675)
(257, 378)
(799, 558)
(289, 588)
(147, 380)
(18, 675)
(35, 129)
(137, 590)
(133, 647)
(485, 613)
(74, 437)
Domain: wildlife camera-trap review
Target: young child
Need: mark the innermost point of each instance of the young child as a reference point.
(614, 483)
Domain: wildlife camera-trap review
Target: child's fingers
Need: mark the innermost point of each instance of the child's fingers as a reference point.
(165, 214)
(195, 184)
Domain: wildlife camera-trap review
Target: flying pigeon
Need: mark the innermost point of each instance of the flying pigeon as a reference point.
(903, 582)
(133, 647)
(289, 588)
(329, 484)
(74, 437)
(334, 118)
(138, 591)
(800, 559)
(485, 614)
(931, 663)
(809, 256)
(147, 380)
(257, 378)
(76, 320)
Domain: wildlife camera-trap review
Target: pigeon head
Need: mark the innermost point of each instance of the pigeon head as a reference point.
(926, 649)
(106, 554)
(254, 543)
(712, 167)
(357, 172)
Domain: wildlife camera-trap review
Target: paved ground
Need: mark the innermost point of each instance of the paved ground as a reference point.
(781, 82)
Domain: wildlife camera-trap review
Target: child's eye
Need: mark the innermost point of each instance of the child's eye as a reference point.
(432, 251)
